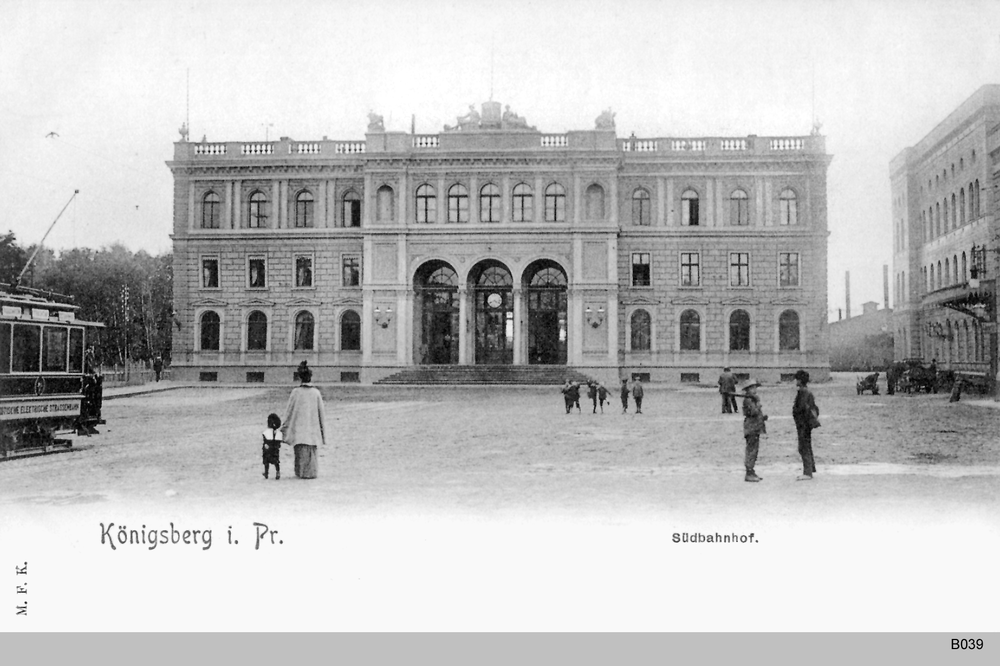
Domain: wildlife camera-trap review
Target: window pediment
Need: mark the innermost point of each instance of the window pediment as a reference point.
(689, 300)
(256, 303)
(209, 303)
(640, 300)
(740, 300)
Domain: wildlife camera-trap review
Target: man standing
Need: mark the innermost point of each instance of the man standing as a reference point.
(637, 394)
(753, 426)
(806, 416)
(727, 387)
(158, 366)
(624, 395)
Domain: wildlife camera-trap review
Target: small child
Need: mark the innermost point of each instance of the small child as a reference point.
(272, 445)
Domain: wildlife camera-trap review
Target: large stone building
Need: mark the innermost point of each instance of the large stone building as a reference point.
(946, 238)
(492, 243)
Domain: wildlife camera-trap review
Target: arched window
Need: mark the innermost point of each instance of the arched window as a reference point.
(689, 208)
(640, 207)
(641, 331)
(555, 203)
(937, 219)
(954, 211)
(257, 331)
(304, 327)
(739, 209)
(940, 280)
(304, 209)
(350, 331)
(458, 204)
(965, 268)
(932, 287)
(257, 213)
(489, 203)
(739, 331)
(976, 192)
(961, 206)
(522, 199)
(385, 200)
(788, 213)
(788, 331)
(426, 205)
(944, 216)
(690, 331)
(972, 201)
(595, 202)
(210, 325)
(954, 269)
(210, 207)
(947, 272)
(352, 209)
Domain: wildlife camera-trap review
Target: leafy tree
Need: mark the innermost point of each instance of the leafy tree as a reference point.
(12, 258)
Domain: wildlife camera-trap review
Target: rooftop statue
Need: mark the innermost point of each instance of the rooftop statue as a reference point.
(469, 121)
(184, 132)
(513, 121)
(605, 121)
(817, 126)
(375, 122)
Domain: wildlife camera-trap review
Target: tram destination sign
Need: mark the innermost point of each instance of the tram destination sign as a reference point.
(11, 410)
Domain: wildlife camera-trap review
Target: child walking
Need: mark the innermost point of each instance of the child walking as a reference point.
(272, 445)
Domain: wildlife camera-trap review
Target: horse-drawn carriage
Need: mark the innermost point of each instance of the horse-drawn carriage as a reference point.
(868, 383)
(911, 376)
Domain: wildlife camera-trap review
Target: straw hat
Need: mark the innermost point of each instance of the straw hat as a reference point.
(751, 383)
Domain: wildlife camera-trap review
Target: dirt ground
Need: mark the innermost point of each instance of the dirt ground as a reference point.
(431, 501)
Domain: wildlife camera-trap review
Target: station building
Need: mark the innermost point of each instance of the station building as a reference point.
(493, 244)
(946, 240)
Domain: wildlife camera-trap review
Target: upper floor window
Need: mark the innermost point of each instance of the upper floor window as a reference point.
(595, 202)
(522, 200)
(304, 209)
(426, 205)
(788, 213)
(352, 209)
(257, 272)
(640, 269)
(351, 271)
(303, 270)
(257, 217)
(641, 333)
(739, 210)
(690, 269)
(689, 209)
(739, 269)
(961, 206)
(210, 209)
(640, 207)
(385, 203)
(209, 273)
(489, 203)
(788, 269)
(458, 204)
(555, 203)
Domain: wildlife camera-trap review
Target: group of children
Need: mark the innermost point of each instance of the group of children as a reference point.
(598, 395)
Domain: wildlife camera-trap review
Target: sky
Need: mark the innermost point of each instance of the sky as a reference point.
(115, 80)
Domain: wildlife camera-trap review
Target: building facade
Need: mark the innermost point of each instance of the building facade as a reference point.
(863, 342)
(945, 238)
(491, 243)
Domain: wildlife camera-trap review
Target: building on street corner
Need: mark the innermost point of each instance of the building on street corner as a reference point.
(494, 244)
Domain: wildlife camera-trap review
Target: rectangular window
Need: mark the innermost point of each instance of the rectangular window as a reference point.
(255, 377)
(788, 269)
(690, 377)
(76, 350)
(739, 269)
(4, 349)
(257, 272)
(351, 271)
(303, 270)
(640, 269)
(208, 376)
(350, 376)
(55, 343)
(209, 273)
(27, 348)
(690, 269)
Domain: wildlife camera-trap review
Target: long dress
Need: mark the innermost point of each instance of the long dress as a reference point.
(305, 428)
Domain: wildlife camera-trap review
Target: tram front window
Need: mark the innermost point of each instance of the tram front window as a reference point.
(54, 349)
(4, 349)
(76, 350)
(27, 347)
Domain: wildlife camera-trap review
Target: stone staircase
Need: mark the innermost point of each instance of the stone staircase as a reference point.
(550, 375)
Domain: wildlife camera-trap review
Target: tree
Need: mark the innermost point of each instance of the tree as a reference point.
(12, 258)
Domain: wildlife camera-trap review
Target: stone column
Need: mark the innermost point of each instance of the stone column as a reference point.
(577, 201)
(613, 200)
(238, 204)
(404, 336)
(191, 207)
(768, 207)
(474, 200)
(320, 221)
(367, 203)
(463, 325)
(401, 198)
(518, 337)
(538, 214)
(442, 202)
(661, 204)
(505, 201)
(227, 206)
(709, 204)
(275, 219)
(669, 205)
(612, 316)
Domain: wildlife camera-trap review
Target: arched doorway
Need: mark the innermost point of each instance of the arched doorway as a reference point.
(492, 285)
(545, 284)
(436, 314)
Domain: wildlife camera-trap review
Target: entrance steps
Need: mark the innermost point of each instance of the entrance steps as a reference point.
(550, 375)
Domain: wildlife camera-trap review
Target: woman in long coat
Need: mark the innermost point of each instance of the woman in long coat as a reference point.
(305, 424)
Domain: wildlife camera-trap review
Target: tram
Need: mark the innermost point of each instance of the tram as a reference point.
(48, 383)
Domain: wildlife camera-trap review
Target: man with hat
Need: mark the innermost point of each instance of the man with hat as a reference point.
(753, 426)
(805, 413)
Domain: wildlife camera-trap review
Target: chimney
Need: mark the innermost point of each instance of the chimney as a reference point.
(885, 285)
(847, 291)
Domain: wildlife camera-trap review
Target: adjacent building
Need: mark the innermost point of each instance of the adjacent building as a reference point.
(493, 243)
(946, 239)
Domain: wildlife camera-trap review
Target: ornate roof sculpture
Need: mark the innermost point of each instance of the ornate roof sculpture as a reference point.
(490, 119)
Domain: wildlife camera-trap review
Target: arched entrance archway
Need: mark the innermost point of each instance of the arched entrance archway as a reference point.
(492, 285)
(436, 311)
(545, 285)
